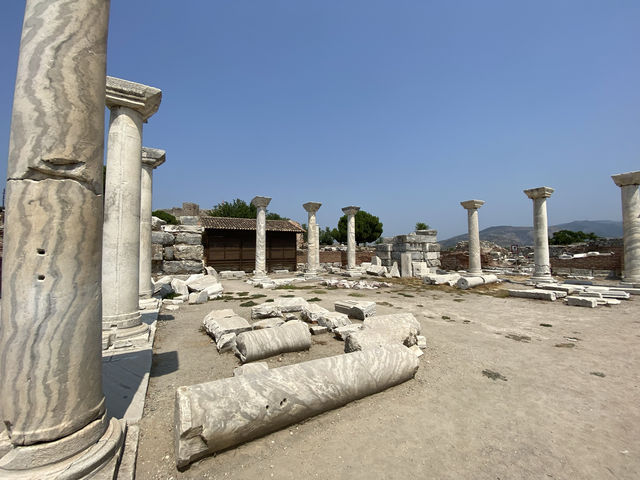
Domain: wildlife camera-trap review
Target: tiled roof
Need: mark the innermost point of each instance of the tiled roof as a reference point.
(227, 223)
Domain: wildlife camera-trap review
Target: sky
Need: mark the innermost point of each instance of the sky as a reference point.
(402, 107)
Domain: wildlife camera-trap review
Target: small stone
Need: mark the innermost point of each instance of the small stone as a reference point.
(172, 307)
(317, 329)
(416, 350)
(422, 341)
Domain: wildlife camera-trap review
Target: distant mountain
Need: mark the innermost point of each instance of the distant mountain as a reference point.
(507, 235)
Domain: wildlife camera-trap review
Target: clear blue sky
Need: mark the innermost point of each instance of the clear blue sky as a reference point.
(403, 107)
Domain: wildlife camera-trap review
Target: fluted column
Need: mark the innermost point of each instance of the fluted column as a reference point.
(152, 158)
(51, 400)
(313, 256)
(261, 204)
(131, 104)
(475, 262)
(350, 212)
(542, 268)
(628, 183)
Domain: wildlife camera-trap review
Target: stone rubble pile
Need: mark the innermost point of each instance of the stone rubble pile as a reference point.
(195, 289)
(577, 295)
(416, 254)
(354, 284)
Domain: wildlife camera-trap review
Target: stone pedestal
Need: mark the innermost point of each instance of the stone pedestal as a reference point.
(151, 159)
(350, 212)
(542, 269)
(51, 400)
(131, 104)
(261, 204)
(628, 183)
(313, 244)
(472, 206)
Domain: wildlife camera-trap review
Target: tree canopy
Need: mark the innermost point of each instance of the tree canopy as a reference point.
(567, 237)
(166, 216)
(239, 209)
(368, 228)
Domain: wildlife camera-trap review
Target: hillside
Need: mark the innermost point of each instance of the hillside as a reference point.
(506, 235)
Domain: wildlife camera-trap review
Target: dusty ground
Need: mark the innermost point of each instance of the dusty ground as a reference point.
(563, 403)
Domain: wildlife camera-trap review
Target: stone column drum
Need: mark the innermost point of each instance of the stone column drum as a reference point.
(350, 212)
(628, 183)
(261, 204)
(313, 257)
(475, 262)
(131, 104)
(51, 400)
(152, 158)
(542, 269)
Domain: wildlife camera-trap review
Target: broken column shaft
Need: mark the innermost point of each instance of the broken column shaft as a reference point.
(131, 104)
(350, 212)
(475, 261)
(50, 349)
(628, 183)
(152, 158)
(542, 267)
(261, 204)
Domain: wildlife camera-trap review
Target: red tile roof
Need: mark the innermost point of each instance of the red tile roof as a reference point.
(227, 223)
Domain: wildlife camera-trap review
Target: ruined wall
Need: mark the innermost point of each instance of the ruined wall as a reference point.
(338, 256)
(176, 249)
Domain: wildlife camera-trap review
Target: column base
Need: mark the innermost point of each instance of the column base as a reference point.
(542, 279)
(630, 281)
(124, 320)
(146, 294)
(474, 272)
(92, 452)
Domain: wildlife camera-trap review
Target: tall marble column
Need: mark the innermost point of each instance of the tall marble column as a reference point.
(542, 268)
(152, 158)
(131, 105)
(261, 204)
(51, 400)
(628, 183)
(313, 245)
(472, 206)
(350, 212)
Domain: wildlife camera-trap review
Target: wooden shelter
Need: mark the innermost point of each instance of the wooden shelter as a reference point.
(230, 243)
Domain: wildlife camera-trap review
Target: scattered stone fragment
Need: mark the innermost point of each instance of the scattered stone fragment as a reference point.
(582, 302)
(469, 282)
(259, 344)
(267, 323)
(312, 311)
(356, 309)
(179, 286)
(394, 272)
(289, 317)
(555, 287)
(265, 310)
(333, 320)
(536, 294)
(219, 322)
(377, 270)
(589, 294)
(416, 350)
(250, 368)
(226, 342)
(172, 301)
(317, 329)
(355, 285)
(286, 305)
(400, 328)
(422, 341)
(214, 416)
(172, 308)
(342, 332)
(198, 297)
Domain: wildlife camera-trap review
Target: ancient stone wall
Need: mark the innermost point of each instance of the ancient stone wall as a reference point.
(176, 249)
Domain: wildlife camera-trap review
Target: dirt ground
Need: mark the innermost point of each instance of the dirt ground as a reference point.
(508, 388)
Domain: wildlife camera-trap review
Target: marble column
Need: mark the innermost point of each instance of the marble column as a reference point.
(152, 158)
(261, 204)
(131, 105)
(51, 400)
(313, 245)
(628, 183)
(472, 206)
(350, 212)
(542, 268)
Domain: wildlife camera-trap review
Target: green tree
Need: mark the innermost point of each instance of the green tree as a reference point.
(567, 237)
(368, 228)
(239, 209)
(167, 217)
(422, 226)
(326, 238)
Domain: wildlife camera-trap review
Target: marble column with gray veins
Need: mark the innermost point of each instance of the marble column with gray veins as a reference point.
(628, 183)
(218, 415)
(313, 243)
(350, 212)
(261, 204)
(152, 158)
(542, 267)
(131, 105)
(51, 400)
(475, 262)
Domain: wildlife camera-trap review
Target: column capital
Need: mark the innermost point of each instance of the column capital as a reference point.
(472, 204)
(312, 207)
(350, 210)
(624, 179)
(141, 98)
(153, 157)
(540, 192)
(261, 201)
